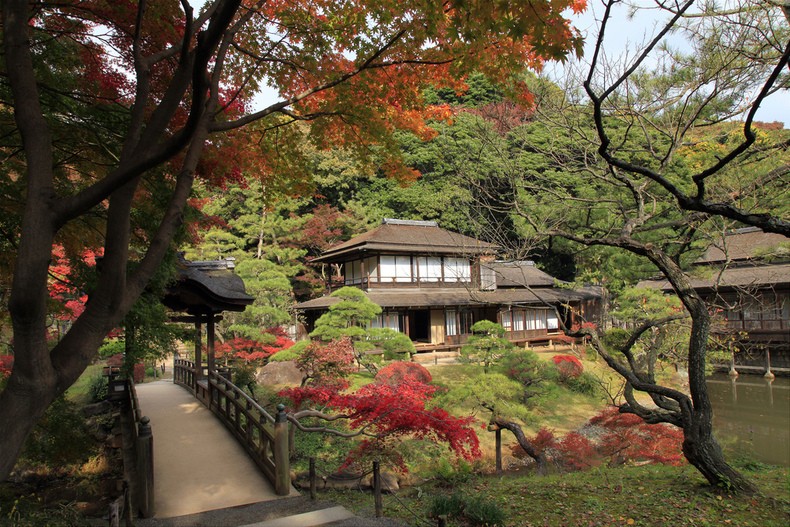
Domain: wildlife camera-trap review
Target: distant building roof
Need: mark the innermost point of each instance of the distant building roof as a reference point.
(409, 298)
(740, 277)
(408, 236)
(741, 245)
(207, 287)
(519, 274)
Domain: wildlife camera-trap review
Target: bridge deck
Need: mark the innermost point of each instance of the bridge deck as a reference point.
(198, 465)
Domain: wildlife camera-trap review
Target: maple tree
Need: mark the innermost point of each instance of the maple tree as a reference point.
(382, 414)
(118, 107)
(610, 437)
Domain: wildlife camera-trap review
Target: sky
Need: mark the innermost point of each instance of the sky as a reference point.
(625, 33)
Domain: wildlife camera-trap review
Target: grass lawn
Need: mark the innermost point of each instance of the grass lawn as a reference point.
(652, 495)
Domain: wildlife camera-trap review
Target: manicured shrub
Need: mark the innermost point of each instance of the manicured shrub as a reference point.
(397, 372)
(568, 366)
(585, 384)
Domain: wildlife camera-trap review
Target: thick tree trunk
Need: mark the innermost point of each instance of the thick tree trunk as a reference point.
(704, 453)
(22, 404)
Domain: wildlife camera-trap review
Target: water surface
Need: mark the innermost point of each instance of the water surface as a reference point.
(753, 414)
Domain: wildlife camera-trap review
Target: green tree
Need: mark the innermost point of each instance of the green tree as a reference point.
(347, 318)
(487, 345)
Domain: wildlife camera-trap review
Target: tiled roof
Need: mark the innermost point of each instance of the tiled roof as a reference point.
(741, 277)
(411, 237)
(740, 245)
(520, 274)
(207, 287)
(417, 298)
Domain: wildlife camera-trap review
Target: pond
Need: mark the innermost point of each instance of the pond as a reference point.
(753, 414)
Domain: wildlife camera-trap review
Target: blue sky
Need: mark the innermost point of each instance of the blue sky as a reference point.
(626, 33)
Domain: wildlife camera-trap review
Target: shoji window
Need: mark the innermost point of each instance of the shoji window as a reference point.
(457, 270)
(403, 268)
(429, 268)
(387, 269)
(518, 320)
(372, 268)
(451, 324)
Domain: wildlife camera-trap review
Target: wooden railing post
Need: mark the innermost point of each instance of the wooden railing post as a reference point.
(282, 484)
(312, 479)
(377, 502)
(145, 468)
(498, 435)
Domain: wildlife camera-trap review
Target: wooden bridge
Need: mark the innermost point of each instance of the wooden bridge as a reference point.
(198, 465)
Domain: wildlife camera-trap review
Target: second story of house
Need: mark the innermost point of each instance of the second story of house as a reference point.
(413, 254)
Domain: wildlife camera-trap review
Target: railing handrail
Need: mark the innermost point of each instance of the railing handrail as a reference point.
(264, 437)
(213, 375)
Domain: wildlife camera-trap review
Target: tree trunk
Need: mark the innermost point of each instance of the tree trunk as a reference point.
(22, 404)
(704, 453)
(515, 428)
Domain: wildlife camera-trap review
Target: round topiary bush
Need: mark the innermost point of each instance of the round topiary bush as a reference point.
(397, 372)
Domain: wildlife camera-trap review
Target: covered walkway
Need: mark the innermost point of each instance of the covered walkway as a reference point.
(198, 465)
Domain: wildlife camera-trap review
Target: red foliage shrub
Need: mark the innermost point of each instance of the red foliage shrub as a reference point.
(328, 364)
(541, 442)
(576, 452)
(115, 361)
(138, 374)
(624, 438)
(629, 438)
(389, 413)
(6, 365)
(570, 367)
(249, 350)
(397, 372)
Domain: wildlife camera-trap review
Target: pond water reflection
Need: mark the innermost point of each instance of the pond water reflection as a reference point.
(753, 414)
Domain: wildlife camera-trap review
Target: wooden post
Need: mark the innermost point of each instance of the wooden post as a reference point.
(145, 468)
(733, 372)
(377, 490)
(282, 485)
(210, 351)
(768, 373)
(312, 479)
(498, 435)
(198, 352)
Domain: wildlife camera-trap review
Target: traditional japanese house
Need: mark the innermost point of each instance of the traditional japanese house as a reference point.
(433, 284)
(745, 278)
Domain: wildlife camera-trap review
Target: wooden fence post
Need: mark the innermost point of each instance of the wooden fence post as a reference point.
(282, 466)
(312, 479)
(377, 490)
(145, 468)
(498, 436)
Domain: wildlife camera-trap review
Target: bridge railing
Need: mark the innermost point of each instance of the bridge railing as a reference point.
(263, 436)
